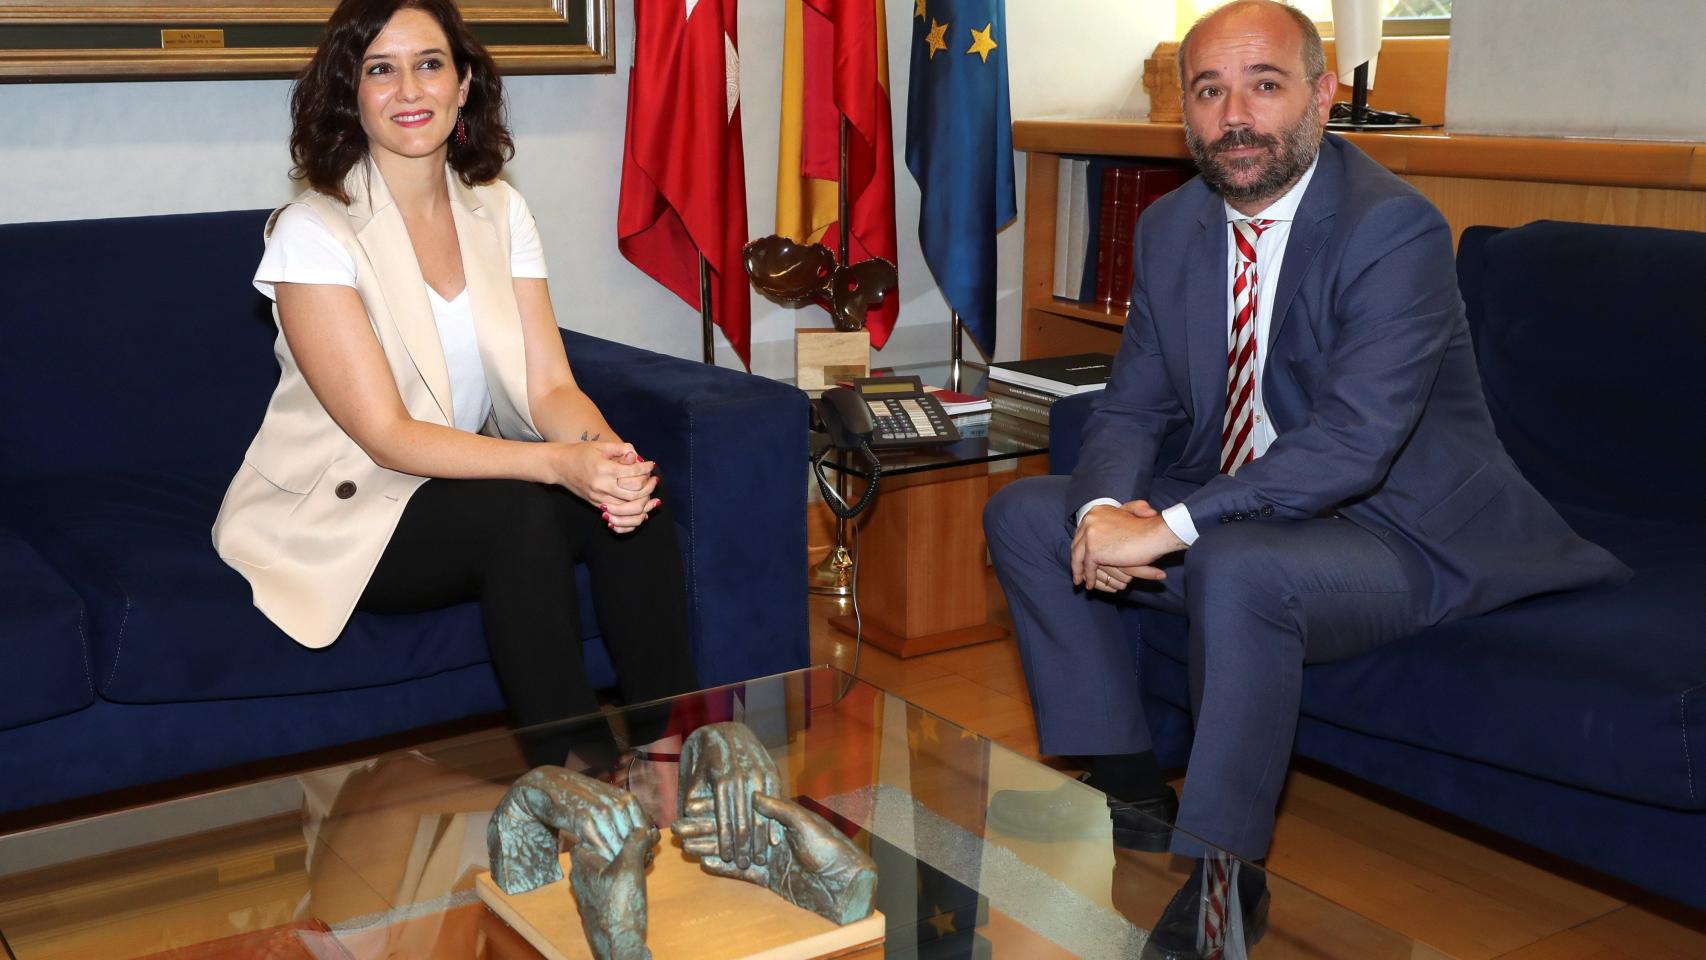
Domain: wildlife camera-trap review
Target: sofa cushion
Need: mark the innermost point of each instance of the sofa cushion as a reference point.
(1590, 360)
(1603, 689)
(169, 621)
(159, 359)
(42, 639)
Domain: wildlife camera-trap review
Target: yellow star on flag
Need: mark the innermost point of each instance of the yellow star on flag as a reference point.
(937, 40)
(918, 9)
(982, 42)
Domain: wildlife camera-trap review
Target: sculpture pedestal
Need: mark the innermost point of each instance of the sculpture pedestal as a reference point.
(691, 915)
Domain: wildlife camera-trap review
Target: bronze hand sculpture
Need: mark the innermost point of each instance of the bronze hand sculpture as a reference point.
(815, 866)
(725, 763)
(611, 844)
(612, 897)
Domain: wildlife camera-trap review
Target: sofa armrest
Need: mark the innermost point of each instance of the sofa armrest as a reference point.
(731, 449)
(1065, 430)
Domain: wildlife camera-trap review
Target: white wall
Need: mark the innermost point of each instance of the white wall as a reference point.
(1585, 68)
(75, 151)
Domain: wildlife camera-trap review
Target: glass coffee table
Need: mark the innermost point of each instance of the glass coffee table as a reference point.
(377, 859)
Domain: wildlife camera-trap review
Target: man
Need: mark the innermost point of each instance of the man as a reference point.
(1333, 481)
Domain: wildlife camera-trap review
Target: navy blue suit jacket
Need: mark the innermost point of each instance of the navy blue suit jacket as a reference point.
(1368, 375)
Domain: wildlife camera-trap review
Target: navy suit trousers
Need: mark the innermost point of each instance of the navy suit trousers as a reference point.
(1263, 598)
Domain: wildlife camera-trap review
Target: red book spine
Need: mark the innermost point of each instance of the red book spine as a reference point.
(1146, 185)
(1106, 214)
(1125, 225)
(1160, 181)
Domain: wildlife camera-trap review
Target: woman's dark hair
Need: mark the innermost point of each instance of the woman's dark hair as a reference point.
(326, 139)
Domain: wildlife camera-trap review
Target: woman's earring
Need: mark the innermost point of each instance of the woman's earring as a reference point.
(461, 129)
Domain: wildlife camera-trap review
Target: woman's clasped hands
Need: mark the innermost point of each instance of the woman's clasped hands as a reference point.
(611, 476)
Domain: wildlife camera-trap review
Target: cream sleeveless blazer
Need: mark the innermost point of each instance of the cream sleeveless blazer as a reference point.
(308, 514)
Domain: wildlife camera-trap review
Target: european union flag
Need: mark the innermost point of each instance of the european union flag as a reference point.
(959, 147)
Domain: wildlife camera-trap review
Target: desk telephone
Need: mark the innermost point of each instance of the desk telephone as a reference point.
(886, 412)
(878, 413)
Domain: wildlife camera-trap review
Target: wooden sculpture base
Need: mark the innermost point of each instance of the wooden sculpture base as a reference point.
(824, 357)
(690, 914)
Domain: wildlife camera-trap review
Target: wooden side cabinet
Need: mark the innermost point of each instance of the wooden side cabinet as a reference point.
(921, 579)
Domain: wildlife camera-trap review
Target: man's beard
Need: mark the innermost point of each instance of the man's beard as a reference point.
(1279, 169)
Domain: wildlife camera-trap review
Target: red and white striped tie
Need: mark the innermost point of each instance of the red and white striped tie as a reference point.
(1216, 908)
(1237, 436)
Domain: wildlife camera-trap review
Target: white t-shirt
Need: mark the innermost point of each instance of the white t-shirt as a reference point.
(302, 250)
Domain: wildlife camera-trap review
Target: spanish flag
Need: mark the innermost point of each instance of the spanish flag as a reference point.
(834, 63)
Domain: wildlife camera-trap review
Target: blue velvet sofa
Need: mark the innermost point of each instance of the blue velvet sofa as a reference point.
(1572, 722)
(135, 363)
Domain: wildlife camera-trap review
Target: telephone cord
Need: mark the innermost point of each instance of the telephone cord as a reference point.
(832, 499)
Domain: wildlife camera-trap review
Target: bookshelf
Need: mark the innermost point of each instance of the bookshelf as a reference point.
(1501, 181)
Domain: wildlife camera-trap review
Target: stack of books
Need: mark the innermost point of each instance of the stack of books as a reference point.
(960, 406)
(1027, 389)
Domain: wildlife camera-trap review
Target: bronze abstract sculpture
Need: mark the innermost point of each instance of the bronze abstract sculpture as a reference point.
(795, 274)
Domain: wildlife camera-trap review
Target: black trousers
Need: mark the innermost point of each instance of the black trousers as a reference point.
(513, 545)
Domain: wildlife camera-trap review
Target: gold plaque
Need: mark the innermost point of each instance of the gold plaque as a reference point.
(190, 39)
(838, 374)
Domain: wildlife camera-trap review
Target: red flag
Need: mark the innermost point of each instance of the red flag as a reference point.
(683, 174)
(845, 58)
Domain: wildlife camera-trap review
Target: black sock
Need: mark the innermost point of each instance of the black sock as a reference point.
(1127, 776)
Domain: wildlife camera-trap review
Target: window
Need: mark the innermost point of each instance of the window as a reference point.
(1403, 17)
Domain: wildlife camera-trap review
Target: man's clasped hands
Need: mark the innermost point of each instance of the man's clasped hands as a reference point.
(1115, 545)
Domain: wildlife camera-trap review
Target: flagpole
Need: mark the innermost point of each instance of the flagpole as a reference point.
(956, 333)
(832, 577)
(841, 198)
(705, 308)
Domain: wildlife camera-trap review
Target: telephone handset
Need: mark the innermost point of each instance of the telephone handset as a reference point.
(845, 418)
(878, 413)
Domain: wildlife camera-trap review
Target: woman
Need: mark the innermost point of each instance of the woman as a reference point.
(427, 443)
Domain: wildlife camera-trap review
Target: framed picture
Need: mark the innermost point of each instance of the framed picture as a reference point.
(68, 40)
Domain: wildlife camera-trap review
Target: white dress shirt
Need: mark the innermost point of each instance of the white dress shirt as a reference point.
(1270, 254)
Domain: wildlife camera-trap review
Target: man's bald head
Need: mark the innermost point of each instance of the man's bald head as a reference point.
(1314, 55)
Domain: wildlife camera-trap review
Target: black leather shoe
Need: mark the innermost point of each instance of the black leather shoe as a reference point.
(1069, 812)
(1175, 934)
(1145, 825)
